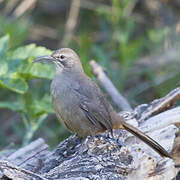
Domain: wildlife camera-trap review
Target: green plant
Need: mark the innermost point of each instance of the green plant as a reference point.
(118, 41)
(16, 74)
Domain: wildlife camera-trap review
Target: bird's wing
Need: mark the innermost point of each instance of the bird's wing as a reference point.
(93, 104)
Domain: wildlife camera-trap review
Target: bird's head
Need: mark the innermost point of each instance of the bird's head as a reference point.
(65, 59)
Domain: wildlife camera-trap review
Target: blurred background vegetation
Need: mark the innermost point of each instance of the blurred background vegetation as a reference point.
(137, 43)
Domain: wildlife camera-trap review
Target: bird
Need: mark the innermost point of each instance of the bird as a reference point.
(81, 105)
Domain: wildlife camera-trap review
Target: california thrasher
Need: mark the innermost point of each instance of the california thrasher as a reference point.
(79, 103)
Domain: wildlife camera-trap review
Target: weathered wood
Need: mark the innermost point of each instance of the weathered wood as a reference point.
(158, 105)
(103, 157)
(13, 172)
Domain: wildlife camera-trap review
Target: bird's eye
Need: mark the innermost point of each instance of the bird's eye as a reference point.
(62, 56)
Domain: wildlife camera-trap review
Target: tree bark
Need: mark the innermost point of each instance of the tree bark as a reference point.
(104, 157)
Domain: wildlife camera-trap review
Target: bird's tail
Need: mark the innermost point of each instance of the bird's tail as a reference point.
(145, 138)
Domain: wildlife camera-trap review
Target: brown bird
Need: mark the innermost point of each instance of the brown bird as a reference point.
(79, 103)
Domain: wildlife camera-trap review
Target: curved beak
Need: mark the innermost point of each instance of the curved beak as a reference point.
(44, 59)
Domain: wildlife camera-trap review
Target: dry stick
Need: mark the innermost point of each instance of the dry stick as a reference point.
(71, 22)
(109, 87)
(14, 171)
(34, 155)
(160, 105)
(28, 152)
(9, 7)
(162, 120)
(23, 7)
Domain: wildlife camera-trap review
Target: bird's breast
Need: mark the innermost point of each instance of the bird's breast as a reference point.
(65, 101)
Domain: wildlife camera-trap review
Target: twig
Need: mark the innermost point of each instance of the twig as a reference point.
(23, 7)
(9, 7)
(28, 151)
(159, 105)
(14, 172)
(33, 156)
(71, 22)
(109, 87)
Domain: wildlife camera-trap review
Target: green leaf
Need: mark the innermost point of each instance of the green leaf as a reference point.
(29, 51)
(14, 106)
(21, 59)
(37, 70)
(15, 84)
(43, 105)
(16, 68)
(3, 46)
(3, 68)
